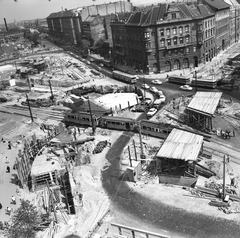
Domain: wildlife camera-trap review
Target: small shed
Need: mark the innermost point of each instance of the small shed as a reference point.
(201, 109)
(180, 149)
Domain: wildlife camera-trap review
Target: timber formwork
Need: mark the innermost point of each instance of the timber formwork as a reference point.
(199, 120)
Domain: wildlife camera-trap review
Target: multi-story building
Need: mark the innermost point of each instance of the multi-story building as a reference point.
(206, 33)
(164, 38)
(234, 28)
(67, 25)
(119, 38)
(222, 16)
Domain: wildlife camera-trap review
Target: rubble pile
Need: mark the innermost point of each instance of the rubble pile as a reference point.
(100, 147)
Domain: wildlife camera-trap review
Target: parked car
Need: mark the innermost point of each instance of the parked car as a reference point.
(162, 98)
(159, 93)
(147, 101)
(186, 87)
(156, 81)
(101, 65)
(88, 62)
(139, 108)
(153, 89)
(152, 111)
(145, 86)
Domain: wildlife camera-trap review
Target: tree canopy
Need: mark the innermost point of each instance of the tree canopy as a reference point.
(23, 221)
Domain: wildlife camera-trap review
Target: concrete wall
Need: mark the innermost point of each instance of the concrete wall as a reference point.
(106, 9)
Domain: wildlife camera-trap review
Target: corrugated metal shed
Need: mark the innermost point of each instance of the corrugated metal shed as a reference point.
(181, 145)
(205, 102)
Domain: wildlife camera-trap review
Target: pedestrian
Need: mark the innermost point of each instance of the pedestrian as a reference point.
(6, 160)
(8, 169)
(9, 145)
(0, 206)
(13, 199)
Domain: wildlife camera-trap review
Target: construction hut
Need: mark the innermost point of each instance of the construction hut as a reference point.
(177, 155)
(201, 109)
(47, 168)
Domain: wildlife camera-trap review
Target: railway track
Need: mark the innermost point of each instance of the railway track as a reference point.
(221, 150)
(42, 113)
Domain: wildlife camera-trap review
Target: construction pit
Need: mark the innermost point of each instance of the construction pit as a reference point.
(85, 172)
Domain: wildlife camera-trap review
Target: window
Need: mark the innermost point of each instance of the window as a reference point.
(168, 42)
(162, 43)
(146, 35)
(168, 32)
(182, 51)
(187, 28)
(194, 49)
(152, 33)
(180, 30)
(169, 52)
(176, 52)
(174, 31)
(161, 32)
(187, 39)
(175, 40)
(174, 16)
(187, 50)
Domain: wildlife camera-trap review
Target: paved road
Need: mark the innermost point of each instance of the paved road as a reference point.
(146, 213)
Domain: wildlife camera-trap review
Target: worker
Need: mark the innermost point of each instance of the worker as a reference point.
(9, 145)
(13, 200)
(8, 169)
(233, 181)
(9, 210)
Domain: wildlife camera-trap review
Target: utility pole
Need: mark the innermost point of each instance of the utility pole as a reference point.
(92, 122)
(224, 162)
(144, 81)
(135, 149)
(50, 85)
(29, 108)
(142, 156)
(129, 156)
(196, 80)
(51, 199)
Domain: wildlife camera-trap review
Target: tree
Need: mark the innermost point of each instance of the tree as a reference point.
(23, 221)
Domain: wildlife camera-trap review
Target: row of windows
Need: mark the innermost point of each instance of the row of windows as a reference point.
(209, 33)
(154, 129)
(116, 123)
(79, 118)
(209, 23)
(175, 41)
(168, 31)
(176, 52)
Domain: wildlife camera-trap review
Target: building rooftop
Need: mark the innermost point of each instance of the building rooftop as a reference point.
(181, 145)
(205, 102)
(216, 4)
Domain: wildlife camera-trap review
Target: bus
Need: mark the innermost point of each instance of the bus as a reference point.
(127, 78)
(205, 83)
(179, 79)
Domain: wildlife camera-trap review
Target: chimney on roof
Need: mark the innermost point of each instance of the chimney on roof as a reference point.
(5, 24)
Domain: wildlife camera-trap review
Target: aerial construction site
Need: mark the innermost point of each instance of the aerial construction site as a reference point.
(82, 153)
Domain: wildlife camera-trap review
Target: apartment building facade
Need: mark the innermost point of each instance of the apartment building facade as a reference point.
(222, 22)
(165, 38)
(68, 25)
